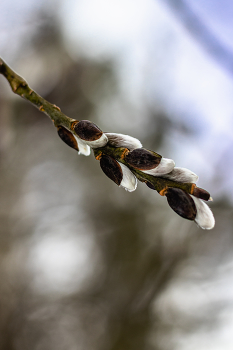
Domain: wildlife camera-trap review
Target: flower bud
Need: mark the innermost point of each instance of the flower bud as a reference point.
(143, 159)
(67, 137)
(181, 202)
(111, 168)
(119, 173)
(149, 162)
(200, 193)
(90, 134)
(87, 130)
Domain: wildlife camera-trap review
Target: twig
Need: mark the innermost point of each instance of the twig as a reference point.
(20, 87)
(158, 183)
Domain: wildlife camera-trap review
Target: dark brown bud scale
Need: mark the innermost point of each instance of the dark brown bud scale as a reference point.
(111, 168)
(200, 193)
(87, 130)
(143, 159)
(67, 137)
(181, 202)
(150, 185)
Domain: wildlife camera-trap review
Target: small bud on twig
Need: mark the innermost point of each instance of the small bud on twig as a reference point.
(118, 172)
(90, 133)
(67, 137)
(200, 193)
(143, 159)
(87, 130)
(111, 168)
(149, 162)
(182, 203)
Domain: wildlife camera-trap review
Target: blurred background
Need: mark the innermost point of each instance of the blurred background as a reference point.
(84, 264)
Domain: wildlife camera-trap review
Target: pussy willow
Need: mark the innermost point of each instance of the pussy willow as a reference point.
(123, 159)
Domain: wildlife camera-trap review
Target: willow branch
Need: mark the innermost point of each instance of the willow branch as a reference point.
(158, 183)
(20, 87)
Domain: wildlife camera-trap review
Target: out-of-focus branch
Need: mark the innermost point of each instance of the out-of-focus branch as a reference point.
(202, 33)
(20, 87)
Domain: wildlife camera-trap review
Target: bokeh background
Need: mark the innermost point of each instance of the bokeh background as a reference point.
(84, 264)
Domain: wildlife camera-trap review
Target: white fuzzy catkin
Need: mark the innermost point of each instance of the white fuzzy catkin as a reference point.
(121, 140)
(101, 142)
(204, 218)
(129, 181)
(83, 147)
(165, 166)
(181, 175)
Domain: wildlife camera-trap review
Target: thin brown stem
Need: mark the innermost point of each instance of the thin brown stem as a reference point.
(20, 87)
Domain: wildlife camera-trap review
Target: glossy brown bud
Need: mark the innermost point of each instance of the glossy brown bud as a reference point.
(182, 203)
(143, 159)
(67, 137)
(111, 168)
(87, 130)
(200, 193)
